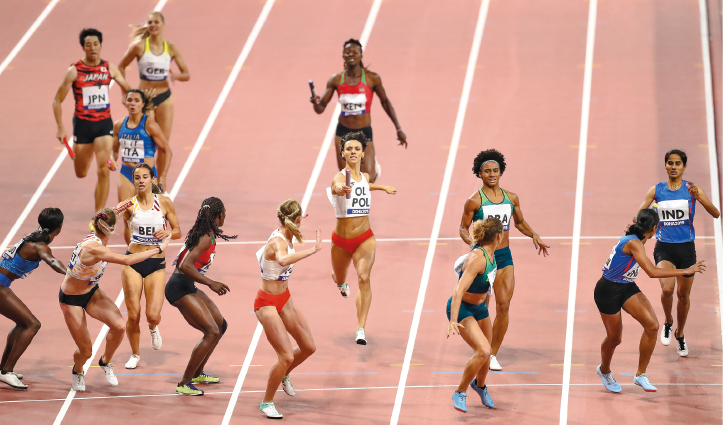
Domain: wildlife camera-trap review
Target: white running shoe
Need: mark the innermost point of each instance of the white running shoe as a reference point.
(156, 340)
(133, 361)
(361, 337)
(19, 375)
(286, 385)
(270, 410)
(682, 346)
(109, 374)
(78, 383)
(11, 378)
(377, 169)
(666, 333)
(494, 364)
(344, 289)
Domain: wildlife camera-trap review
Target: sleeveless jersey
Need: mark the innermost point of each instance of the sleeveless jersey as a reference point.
(487, 208)
(79, 270)
(483, 281)
(358, 205)
(204, 261)
(272, 270)
(144, 223)
(136, 144)
(90, 90)
(17, 265)
(357, 99)
(620, 267)
(676, 209)
(154, 67)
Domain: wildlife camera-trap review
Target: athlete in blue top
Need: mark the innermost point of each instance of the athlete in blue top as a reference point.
(493, 201)
(675, 202)
(467, 309)
(17, 263)
(616, 289)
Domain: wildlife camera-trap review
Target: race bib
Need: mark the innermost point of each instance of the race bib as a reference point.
(503, 212)
(360, 200)
(353, 104)
(610, 259)
(631, 274)
(96, 97)
(491, 276)
(205, 268)
(10, 253)
(133, 150)
(673, 213)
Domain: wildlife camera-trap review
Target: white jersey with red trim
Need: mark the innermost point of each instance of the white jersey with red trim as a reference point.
(144, 223)
(79, 270)
(358, 204)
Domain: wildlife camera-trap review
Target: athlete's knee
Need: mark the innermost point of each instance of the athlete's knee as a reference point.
(285, 359)
(364, 279)
(308, 348)
(668, 292)
(683, 295)
(614, 340)
(34, 326)
(482, 353)
(154, 319)
(132, 322)
(85, 352)
(502, 306)
(117, 328)
(213, 333)
(80, 173)
(652, 326)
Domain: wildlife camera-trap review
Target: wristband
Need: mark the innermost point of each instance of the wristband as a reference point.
(160, 251)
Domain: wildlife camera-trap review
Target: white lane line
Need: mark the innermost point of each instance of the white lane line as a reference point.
(456, 135)
(581, 158)
(29, 33)
(364, 39)
(712, 151)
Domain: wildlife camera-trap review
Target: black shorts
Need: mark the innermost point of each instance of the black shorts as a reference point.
(610, 296)
(148, 266)
(78, 300)
(85, 132)
(157, 100)
(681, 255)
(178, 286)
(341, 131)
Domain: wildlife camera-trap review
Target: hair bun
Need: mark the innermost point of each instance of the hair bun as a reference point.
(46, 230)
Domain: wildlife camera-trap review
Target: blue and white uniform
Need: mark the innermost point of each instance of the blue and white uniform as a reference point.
(617, 284)
(676, 234)
(15, 264)
(620, 267)
(135, 146)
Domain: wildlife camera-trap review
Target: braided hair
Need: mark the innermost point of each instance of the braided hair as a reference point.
(50, 219)
(211, 209)
(355, 42)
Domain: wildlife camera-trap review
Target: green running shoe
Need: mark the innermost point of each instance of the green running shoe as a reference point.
(188, 389)
(205, 379)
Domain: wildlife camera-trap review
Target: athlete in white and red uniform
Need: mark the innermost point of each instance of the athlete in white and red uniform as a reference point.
(92, 125)
(356, 86)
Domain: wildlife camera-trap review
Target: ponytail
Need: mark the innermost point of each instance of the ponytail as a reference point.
(104, 221)
(287, 213)
(646, 220)
(485, 231)
(141, 32)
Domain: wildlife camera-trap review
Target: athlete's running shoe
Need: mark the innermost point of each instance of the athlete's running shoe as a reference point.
(361, 337)
(156, 340)
(377, 169)
(203, 378)
(643, 381)
(494, 364)
(78, 383)
(608, 380)
(11, 378)
(19, 375)
(460, 401)
(270, 410)
(109, 374)
(286, 385)
(188, 389)
(682, 346)
(665, 333)
(133, 361)
(483, 393)
(344, 289)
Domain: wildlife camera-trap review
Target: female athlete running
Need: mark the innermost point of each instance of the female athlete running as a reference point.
(146, 218)
(276, 310)
(139, 137)
(192, 263)
(155, 71)
(675, 245)
(467, 310)
(356, 86)
(17, 263)
(353, 239)
(80, 294)
(616, 289)
(493, 201)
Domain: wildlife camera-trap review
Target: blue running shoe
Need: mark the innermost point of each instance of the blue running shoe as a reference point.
(460, 401)
(484, 395)
(610, 383)
(643, 381)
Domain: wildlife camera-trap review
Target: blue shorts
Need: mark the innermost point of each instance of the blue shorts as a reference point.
(127, 172)
(4, 281)
(503, 257)
(478, 311)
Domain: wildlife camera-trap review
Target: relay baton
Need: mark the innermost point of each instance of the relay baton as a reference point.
(311, 87)
(348, 182)
(110, 164)
(70, 150)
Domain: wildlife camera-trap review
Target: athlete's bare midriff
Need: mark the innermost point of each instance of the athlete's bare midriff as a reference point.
(351, 227)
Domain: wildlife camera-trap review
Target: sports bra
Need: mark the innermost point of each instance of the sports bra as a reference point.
(272, 270)
(154, 67)
(135, 143)
(358, 205)
(503, 211)
(357, 99)
(204, 260)
(144, 223)
(15, 264)
(483, 281)
(79, 270)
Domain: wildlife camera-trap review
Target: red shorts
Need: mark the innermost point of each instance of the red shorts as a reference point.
(264, 299)
(350, 245)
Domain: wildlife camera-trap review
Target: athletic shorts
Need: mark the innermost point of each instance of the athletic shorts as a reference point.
(264, 299)
(85, 132)
(681, 255)
(610, 296)
(158, 99)
(178, 286)
(350, 245)
(478, 311)
(503, 257)
(127, 172)
(81, 300)
(148, 266)
(341, 131)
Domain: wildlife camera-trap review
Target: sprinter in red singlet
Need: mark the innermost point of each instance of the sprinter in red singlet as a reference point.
(356, 86)
(92, 126)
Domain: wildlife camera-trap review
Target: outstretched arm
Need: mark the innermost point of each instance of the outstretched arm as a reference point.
(103, 253)
(637, 250)
(47, 255)
(281, 251)
(649, 198)
(373, 186)
(525, 227)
